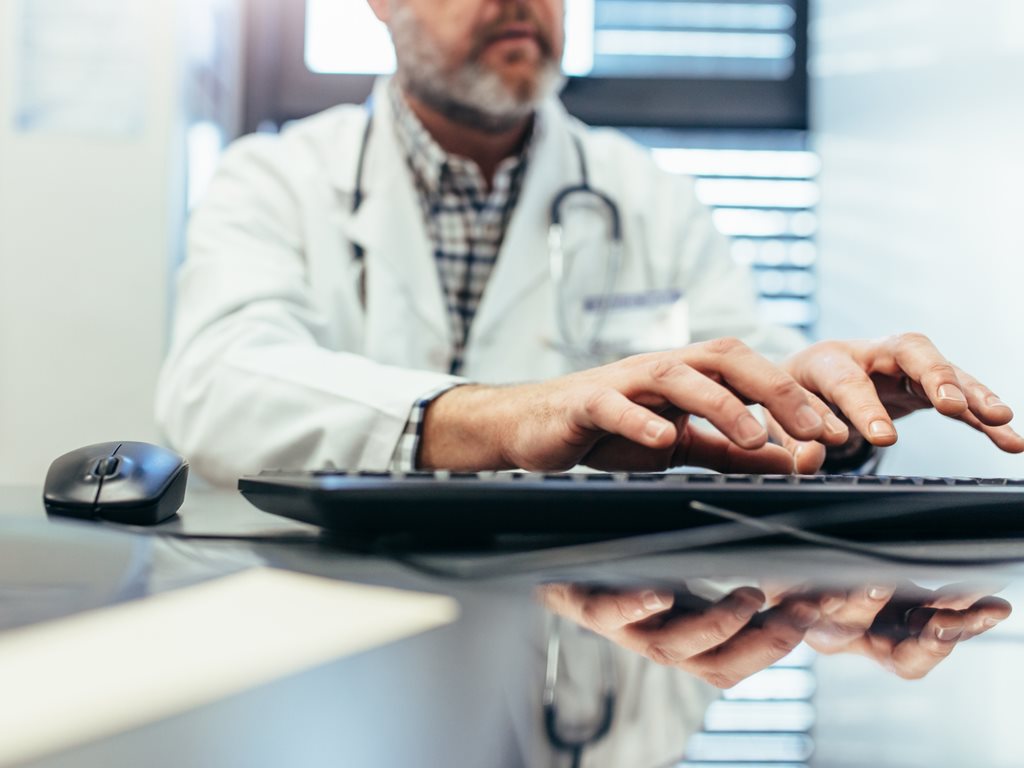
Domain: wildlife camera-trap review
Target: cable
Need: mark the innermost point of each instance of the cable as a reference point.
(738, 528)
(846, 545)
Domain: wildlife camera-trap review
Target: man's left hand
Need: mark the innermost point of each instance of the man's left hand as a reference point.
(872, 383)
(908, 630)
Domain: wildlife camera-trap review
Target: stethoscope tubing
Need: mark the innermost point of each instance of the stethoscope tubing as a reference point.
(556, 254)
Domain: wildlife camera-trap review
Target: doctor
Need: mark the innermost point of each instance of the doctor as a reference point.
(372, 287)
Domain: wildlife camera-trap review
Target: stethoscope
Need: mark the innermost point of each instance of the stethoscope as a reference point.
(574, 738)
(587, 348)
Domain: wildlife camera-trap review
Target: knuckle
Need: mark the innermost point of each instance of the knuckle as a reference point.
(596, 401)
(627, 614)
(590, 616)
(779, 646)
(940, 370)
(664, 368)
(719, 679)
(847, 630)
(783, 386)
(662, 654)
(850, 378)
(913, 339)
(715, 632)
(719, 401)
(727, 345)
(871, 410)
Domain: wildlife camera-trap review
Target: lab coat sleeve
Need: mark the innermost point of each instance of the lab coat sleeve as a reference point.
(250, 381)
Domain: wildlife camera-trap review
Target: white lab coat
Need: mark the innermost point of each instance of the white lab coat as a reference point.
(277, 362)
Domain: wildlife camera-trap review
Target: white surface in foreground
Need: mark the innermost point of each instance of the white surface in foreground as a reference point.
(78, 679)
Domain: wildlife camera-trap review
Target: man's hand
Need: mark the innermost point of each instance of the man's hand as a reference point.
(721, 643)
(631, 415)
(871, 383)
(907, 630)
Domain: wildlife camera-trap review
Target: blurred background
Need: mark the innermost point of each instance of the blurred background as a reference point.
(866, 158)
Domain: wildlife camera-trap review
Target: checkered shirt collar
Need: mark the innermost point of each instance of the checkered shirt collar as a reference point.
(429, 161)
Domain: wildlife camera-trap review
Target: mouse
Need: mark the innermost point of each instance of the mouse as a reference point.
(123, 482)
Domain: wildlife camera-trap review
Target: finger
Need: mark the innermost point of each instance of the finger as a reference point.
(606, 612)
(1004, 437)
(603, 611)
(852, 618)
(608, 410)
(983, 402)
(915, 657)
(986, 613)
(843, 382)
(756, 648)
(808, 456)
(702, 448)
(917, 357)
(960, 596)
(799, 412)
(692, 391)
(685, 636)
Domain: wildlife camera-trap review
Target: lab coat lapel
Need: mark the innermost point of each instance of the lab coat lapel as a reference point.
(523, 262)
(399, 264)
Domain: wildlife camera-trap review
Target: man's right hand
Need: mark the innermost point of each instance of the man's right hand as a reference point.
(631, 415)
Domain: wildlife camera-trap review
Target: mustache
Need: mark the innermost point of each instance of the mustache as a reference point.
(513, 14)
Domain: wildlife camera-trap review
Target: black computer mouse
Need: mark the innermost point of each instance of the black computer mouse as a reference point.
(124, 482)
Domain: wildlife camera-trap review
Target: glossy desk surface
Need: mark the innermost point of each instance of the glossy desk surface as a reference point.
(462, 694)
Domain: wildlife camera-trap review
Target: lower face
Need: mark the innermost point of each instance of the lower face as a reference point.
(517, 42)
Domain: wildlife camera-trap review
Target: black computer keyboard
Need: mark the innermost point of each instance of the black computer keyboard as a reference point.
(458, 504)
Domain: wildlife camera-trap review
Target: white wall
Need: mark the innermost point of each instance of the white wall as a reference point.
(918, 110)
(86, 226)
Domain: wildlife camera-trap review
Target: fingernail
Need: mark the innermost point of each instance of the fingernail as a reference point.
(951, 393)
(652, 601)
(879, 593)
(881, 428)
(994, 402)
(949, 634)
(807, 417)
(800, 450)
(655, 429)
(804, 616)
(835, 425)
(989, 623)
(749, 429)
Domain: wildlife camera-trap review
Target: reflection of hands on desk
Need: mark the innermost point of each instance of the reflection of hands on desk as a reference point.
(720, 642)
(872, 383)
(908, 630)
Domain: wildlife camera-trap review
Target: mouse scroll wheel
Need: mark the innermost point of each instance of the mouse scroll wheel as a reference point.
(107, 466)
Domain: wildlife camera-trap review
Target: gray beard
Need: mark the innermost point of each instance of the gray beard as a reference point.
(472, 95)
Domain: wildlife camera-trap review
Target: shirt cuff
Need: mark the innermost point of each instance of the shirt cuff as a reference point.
(404, 459)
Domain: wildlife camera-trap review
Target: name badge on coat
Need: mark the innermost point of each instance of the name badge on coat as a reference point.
(644, 321)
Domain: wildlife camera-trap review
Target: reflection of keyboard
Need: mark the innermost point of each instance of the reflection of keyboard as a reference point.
(443, 503)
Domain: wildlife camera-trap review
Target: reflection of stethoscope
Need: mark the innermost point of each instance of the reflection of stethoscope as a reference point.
(575, 738)
(588, 347)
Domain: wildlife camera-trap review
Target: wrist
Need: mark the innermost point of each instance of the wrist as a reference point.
(465, 429)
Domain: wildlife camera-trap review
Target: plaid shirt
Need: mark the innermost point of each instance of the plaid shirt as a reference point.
(466, 224)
